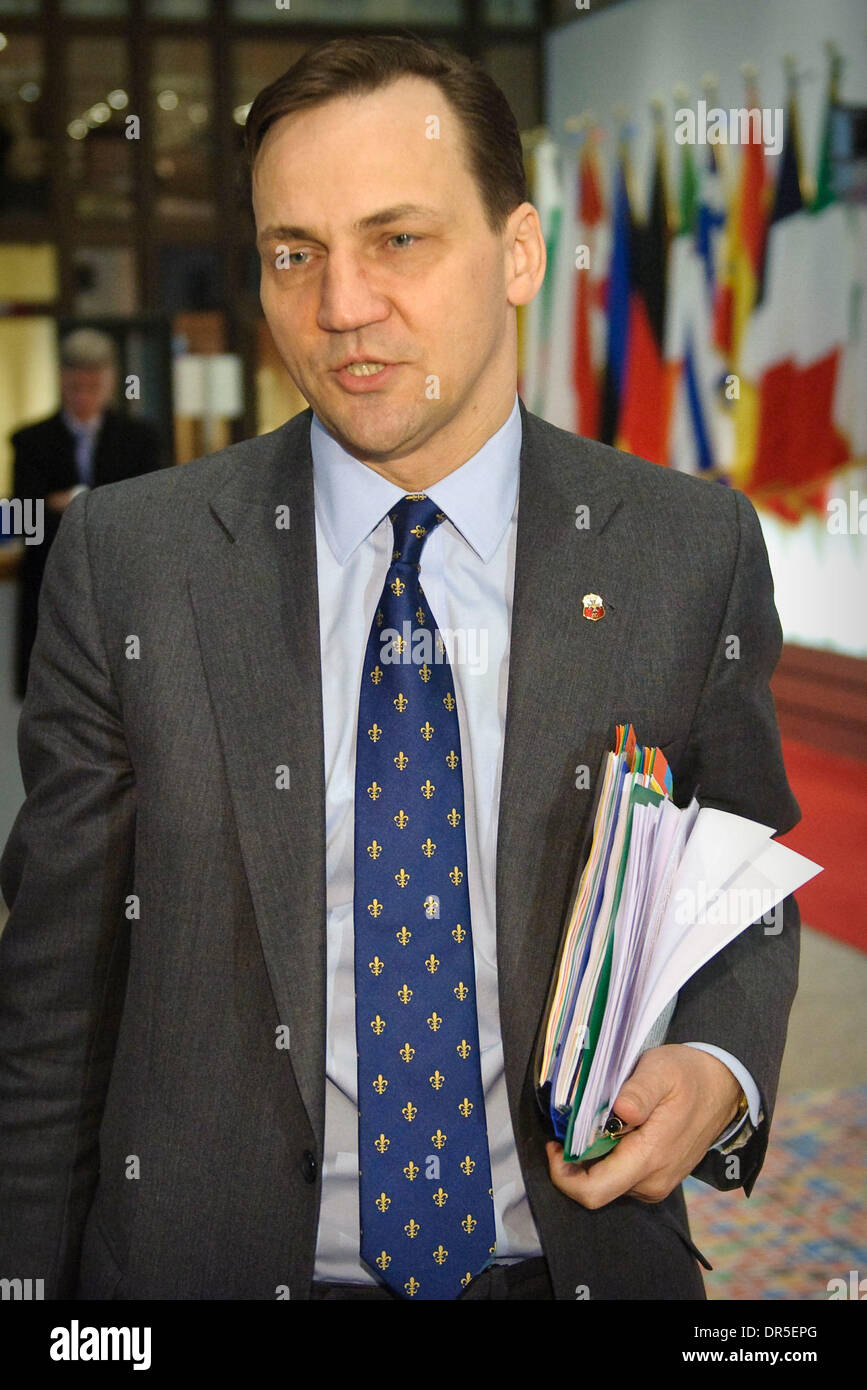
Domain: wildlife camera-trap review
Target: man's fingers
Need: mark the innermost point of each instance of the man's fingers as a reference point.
(632, 1107)
(630, 1165)
(640, 1094)
(672, 1106)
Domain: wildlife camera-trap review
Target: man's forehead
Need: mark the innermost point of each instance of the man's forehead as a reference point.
(402, 135)
(386, 195)
(400, 103)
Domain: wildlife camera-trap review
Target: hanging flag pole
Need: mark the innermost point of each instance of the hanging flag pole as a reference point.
(823, 193)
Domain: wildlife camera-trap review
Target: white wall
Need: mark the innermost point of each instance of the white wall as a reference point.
(639, 49)
(643, 48)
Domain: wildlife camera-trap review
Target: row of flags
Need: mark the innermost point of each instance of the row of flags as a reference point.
(722, 333)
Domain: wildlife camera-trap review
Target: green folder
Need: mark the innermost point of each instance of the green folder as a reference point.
(638, 796)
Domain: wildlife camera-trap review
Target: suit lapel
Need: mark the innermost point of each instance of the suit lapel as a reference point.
(562, 701)
(255, 597)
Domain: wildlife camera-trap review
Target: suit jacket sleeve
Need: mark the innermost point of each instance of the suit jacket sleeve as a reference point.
(740, 1000)
(64, 873)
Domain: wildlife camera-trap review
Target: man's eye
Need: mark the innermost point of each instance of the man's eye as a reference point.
(283, 258)
(406, 237)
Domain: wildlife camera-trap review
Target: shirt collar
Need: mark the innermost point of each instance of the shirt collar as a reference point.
(478, 498)
(79, 427)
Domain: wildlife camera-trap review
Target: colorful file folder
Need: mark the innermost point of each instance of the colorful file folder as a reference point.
(662, 890)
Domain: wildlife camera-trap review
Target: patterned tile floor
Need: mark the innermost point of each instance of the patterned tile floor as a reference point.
(806, 1221)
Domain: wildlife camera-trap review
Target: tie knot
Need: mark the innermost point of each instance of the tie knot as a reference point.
(412, 520)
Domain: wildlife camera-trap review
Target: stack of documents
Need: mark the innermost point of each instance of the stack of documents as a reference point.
(662, 891)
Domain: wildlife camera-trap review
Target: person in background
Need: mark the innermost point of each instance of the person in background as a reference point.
(84, 444)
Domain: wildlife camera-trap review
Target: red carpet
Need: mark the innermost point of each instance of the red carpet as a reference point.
(832, 794)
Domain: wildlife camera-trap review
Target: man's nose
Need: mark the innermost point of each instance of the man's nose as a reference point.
(350, 297)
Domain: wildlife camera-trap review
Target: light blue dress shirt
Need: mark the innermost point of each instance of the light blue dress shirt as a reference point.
(467, 571)
(85, 432)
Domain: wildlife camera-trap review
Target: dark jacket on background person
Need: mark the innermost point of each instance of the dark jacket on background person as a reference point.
(44, 463)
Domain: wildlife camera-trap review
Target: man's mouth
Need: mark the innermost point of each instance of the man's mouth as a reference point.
(365, 368)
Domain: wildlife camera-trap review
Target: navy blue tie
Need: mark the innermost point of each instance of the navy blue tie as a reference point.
(426, 1202)
(84, 442)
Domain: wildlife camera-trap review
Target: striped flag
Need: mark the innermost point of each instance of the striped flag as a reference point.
(578, 329)
(617, 301)
(692, 444)
(850, 399)
(588, 358)
(645, 405)
(796, 338)
(710, 217)
(736, 292)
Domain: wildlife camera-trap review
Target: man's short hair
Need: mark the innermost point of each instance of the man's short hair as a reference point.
(87, 347)
(354, 66)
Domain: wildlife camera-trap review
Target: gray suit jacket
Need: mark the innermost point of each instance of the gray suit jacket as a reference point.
(156, 1142)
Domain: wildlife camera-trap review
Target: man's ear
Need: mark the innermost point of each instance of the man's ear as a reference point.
(526, 256)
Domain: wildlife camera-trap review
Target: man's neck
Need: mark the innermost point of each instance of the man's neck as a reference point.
(91, 423)
(441, 455)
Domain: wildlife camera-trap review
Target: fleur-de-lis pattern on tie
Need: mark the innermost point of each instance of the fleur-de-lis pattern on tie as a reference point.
(426, 1204)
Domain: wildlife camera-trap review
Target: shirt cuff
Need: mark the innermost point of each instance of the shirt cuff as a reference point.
(754, 1116)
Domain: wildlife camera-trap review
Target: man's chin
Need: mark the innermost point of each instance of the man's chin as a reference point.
(373, 427)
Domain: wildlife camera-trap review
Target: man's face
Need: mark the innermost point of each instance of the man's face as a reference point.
(85, 391)
(374, 245)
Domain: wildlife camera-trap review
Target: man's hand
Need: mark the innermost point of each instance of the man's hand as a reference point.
(60, 500)
(675, 1105)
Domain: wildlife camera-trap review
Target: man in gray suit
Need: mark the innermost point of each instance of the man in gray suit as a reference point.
(178, 1103)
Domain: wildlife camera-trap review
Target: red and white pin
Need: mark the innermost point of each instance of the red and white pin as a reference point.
(593, 607)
